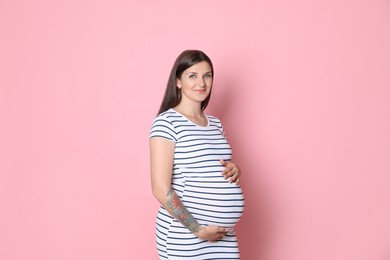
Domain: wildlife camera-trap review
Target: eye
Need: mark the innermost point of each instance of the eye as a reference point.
(207, 76)
(192, 76)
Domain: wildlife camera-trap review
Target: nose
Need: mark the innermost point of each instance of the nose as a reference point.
(201, 82)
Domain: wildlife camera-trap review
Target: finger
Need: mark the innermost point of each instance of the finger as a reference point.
(230, 169)
(233, 178)
(228, 165)
(221, 235)
(227, 173)
(222, 230)
(233, 173)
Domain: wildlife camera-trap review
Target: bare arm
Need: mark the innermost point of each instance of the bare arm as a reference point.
(181, 213)
(161, 161)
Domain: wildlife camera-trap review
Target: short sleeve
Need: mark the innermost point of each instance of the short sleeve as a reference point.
(162, 127)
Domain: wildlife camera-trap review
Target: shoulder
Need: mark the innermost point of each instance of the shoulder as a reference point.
(214, 120)
(164, 117)
(162, 126)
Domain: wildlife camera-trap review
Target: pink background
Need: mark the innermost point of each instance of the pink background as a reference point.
(302, 87)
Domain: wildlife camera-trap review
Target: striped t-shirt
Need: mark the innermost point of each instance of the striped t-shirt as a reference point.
(198, 181)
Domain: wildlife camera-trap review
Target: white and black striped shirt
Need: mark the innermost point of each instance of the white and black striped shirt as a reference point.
(198, 181)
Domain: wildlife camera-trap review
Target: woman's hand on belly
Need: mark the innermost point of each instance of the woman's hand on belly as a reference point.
(231, 171)
(212, 233)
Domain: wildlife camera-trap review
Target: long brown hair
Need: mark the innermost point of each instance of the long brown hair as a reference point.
(186, 59)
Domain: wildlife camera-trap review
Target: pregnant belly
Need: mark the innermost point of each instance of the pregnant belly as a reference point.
(214, 201)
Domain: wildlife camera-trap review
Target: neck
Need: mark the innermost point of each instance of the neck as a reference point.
(194, 111)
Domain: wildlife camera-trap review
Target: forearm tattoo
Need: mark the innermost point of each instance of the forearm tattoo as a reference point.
(181, 213)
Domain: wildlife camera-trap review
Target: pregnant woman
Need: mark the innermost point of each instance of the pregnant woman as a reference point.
(192, 174)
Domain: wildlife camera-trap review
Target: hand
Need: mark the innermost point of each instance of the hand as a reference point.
(212, 233)
(231, 171)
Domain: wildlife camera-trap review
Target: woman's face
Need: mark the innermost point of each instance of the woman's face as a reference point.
(196, 82)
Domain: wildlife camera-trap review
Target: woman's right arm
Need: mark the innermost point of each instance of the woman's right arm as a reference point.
(161, 160)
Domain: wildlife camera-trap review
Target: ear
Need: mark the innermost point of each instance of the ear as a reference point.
(178, 83)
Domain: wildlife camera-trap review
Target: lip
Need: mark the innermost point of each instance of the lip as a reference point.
(201, 91)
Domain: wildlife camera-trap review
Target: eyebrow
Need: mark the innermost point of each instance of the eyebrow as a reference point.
(197, 73)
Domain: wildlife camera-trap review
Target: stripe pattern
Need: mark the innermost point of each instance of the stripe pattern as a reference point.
(197, 180)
